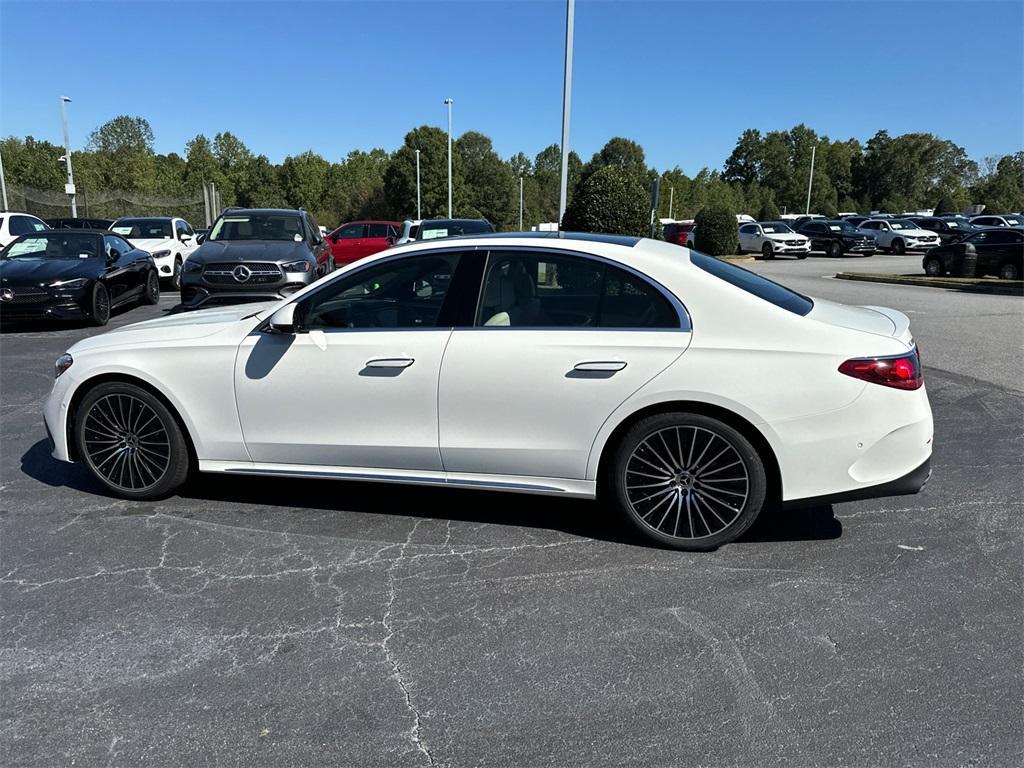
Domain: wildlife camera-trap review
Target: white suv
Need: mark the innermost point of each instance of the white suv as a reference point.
(14, 224)
(769, 238)
(1002, 220)
(900, 235)
(168, 239)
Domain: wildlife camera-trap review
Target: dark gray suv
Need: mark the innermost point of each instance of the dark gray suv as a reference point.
(255, 254)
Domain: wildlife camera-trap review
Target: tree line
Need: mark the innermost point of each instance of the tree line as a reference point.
(765, 173)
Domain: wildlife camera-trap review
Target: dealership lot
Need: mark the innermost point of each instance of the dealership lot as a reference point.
(311, 622)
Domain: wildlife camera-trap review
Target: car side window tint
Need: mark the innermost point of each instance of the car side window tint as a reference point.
(376, 230)
(351, 232)
(1001, 238)
(748, 229)
(553, 291)
(403, 293)
(23, 225)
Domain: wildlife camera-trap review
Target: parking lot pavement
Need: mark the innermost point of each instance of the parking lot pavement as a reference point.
(257, 621)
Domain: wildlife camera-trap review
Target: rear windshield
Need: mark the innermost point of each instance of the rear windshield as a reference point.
(759, 286)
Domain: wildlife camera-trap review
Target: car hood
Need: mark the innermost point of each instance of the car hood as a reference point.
(250, 250)
(39, 271)
(786, 236)
(914, 232)
(175, 328)
(878, 320)
(153, 244)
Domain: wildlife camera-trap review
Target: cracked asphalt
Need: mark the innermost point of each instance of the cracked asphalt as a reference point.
(253, 621)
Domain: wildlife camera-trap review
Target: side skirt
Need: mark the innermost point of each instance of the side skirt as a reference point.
(548, 486)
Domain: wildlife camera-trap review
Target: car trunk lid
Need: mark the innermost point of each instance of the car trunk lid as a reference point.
(878, 320)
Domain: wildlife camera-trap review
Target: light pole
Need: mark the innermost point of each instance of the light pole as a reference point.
(70, 186)
(810, 180)
(449, 103)
(520, 203)
(671, 196)
(570, 14)
(3, 183)
(418, 214)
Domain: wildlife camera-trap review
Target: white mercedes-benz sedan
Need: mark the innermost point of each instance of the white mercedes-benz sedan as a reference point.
(687, 392)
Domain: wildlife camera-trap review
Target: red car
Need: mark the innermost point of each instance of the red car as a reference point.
(357, 239)
(679, 232)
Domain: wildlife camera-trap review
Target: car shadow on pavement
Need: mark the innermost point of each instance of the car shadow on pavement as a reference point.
(576, 517)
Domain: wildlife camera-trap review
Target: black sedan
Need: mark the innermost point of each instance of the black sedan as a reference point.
(996, 251)
(836, 237)
(950, 229)
(73, 274)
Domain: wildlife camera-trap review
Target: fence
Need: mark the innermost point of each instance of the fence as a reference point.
(106, 204)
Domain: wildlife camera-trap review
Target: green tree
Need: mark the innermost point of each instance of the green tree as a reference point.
(491, 187)
(611, 200)
(946, 204)
(743, 166)
(769, 211)
(304, 179)
(548, 175)
(1002, 190)
(400, 176)
(717, 231)
(621, 153)
(122, 134)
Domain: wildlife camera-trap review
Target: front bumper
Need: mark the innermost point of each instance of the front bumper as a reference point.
(196, 292)
(778, 247)
(860, 247)
(919, 246)
(50, 307)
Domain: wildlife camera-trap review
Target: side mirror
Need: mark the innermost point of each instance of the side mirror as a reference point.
(185, 237)
(113, 255)
(391, 240)
(283, 321)
(333, 238)
(200, 239)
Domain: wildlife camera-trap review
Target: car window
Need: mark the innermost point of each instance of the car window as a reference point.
(118, 243)
(1002, 237)
(523, 290)
(315, 236)
(748, 229)
(753, 284)
(351, 232)
(979, 238)
(376, 230)
(53, 245)
(23, 225)
(403, 293)
(816, 228)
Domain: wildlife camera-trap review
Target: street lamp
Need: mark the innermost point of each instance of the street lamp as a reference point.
(570, 14)
(69, 188)
(418, 214)
(449, 102)
(520, 203)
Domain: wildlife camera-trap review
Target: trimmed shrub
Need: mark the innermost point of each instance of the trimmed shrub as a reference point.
(717, 231)
(609, 200)
(946, 205)
(769, 211)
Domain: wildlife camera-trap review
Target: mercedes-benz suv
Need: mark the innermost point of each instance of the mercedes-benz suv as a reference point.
(255, 255)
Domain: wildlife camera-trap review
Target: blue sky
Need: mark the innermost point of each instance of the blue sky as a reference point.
(682, 78)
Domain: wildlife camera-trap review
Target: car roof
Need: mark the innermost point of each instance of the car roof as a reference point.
(590, 237)
(236, 211)
(367, 221)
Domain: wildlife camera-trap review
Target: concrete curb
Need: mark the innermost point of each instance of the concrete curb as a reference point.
(970, 284)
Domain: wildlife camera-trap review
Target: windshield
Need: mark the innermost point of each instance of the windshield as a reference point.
(431, 230)
(53, 246)
(257, 226)
(902, 224)
(775, 228)
(754, 284)
(1014, 221)
(841, 226)
(143, 229)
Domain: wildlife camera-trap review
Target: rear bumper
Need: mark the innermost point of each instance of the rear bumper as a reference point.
(908, 484)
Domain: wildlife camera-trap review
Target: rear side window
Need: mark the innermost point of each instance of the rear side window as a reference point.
(553, 291)
(377, 230)
(754, 284)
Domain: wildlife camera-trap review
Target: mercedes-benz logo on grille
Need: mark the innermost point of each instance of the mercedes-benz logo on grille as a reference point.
(241, 273)
(6, 294)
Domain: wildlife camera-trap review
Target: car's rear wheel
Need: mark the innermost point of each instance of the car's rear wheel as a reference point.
(898, 247)
(176, 274)
(933, 267)
(1009, 271)
(835, 250)
(130, 441)
(151, 293)
(99, 307)
(767, 252)
(688, 481)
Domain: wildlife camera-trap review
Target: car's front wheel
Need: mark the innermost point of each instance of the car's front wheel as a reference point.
(151, 293)
(176, 274)
(130, 441)
(688, 481)
(767, 252)
(898, 247)
(933, 267)
(1009, 271)
(835, 250)
(99, 307)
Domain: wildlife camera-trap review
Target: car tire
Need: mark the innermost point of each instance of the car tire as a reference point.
(933, 267)
(898, 247)
(767, 251)
(176, 274)
(802, 255)
(1009, 271)
(835, 250)
(143, 463)
(99, 306)
(700, 466)
(151, 292)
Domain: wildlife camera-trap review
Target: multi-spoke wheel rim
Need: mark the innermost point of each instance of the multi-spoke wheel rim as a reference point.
(176, 278)
(102, 308)
(126, 442)
(153, 286)
(686, 482)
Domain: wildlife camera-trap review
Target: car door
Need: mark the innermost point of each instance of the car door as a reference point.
(819, 236)
(122, 274)
(356, 384)
(559, 341)
(186, 238)
(995, 248)
(748, 238)
(377, 233)
(346, 242)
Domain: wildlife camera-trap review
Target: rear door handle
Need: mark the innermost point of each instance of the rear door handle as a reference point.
(390, 362)
(600, 365)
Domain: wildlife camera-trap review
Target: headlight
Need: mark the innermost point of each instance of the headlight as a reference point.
(192, 266)
(297, 266)
(77, 282)
(160, 254)
(63, 363)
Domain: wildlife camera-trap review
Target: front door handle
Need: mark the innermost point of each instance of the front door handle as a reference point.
(600, 365)
(390, 362)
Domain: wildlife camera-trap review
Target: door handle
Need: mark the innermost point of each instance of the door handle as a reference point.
(390, 362)
(600, 365)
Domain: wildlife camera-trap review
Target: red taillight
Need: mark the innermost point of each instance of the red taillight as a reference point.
(899, 371)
